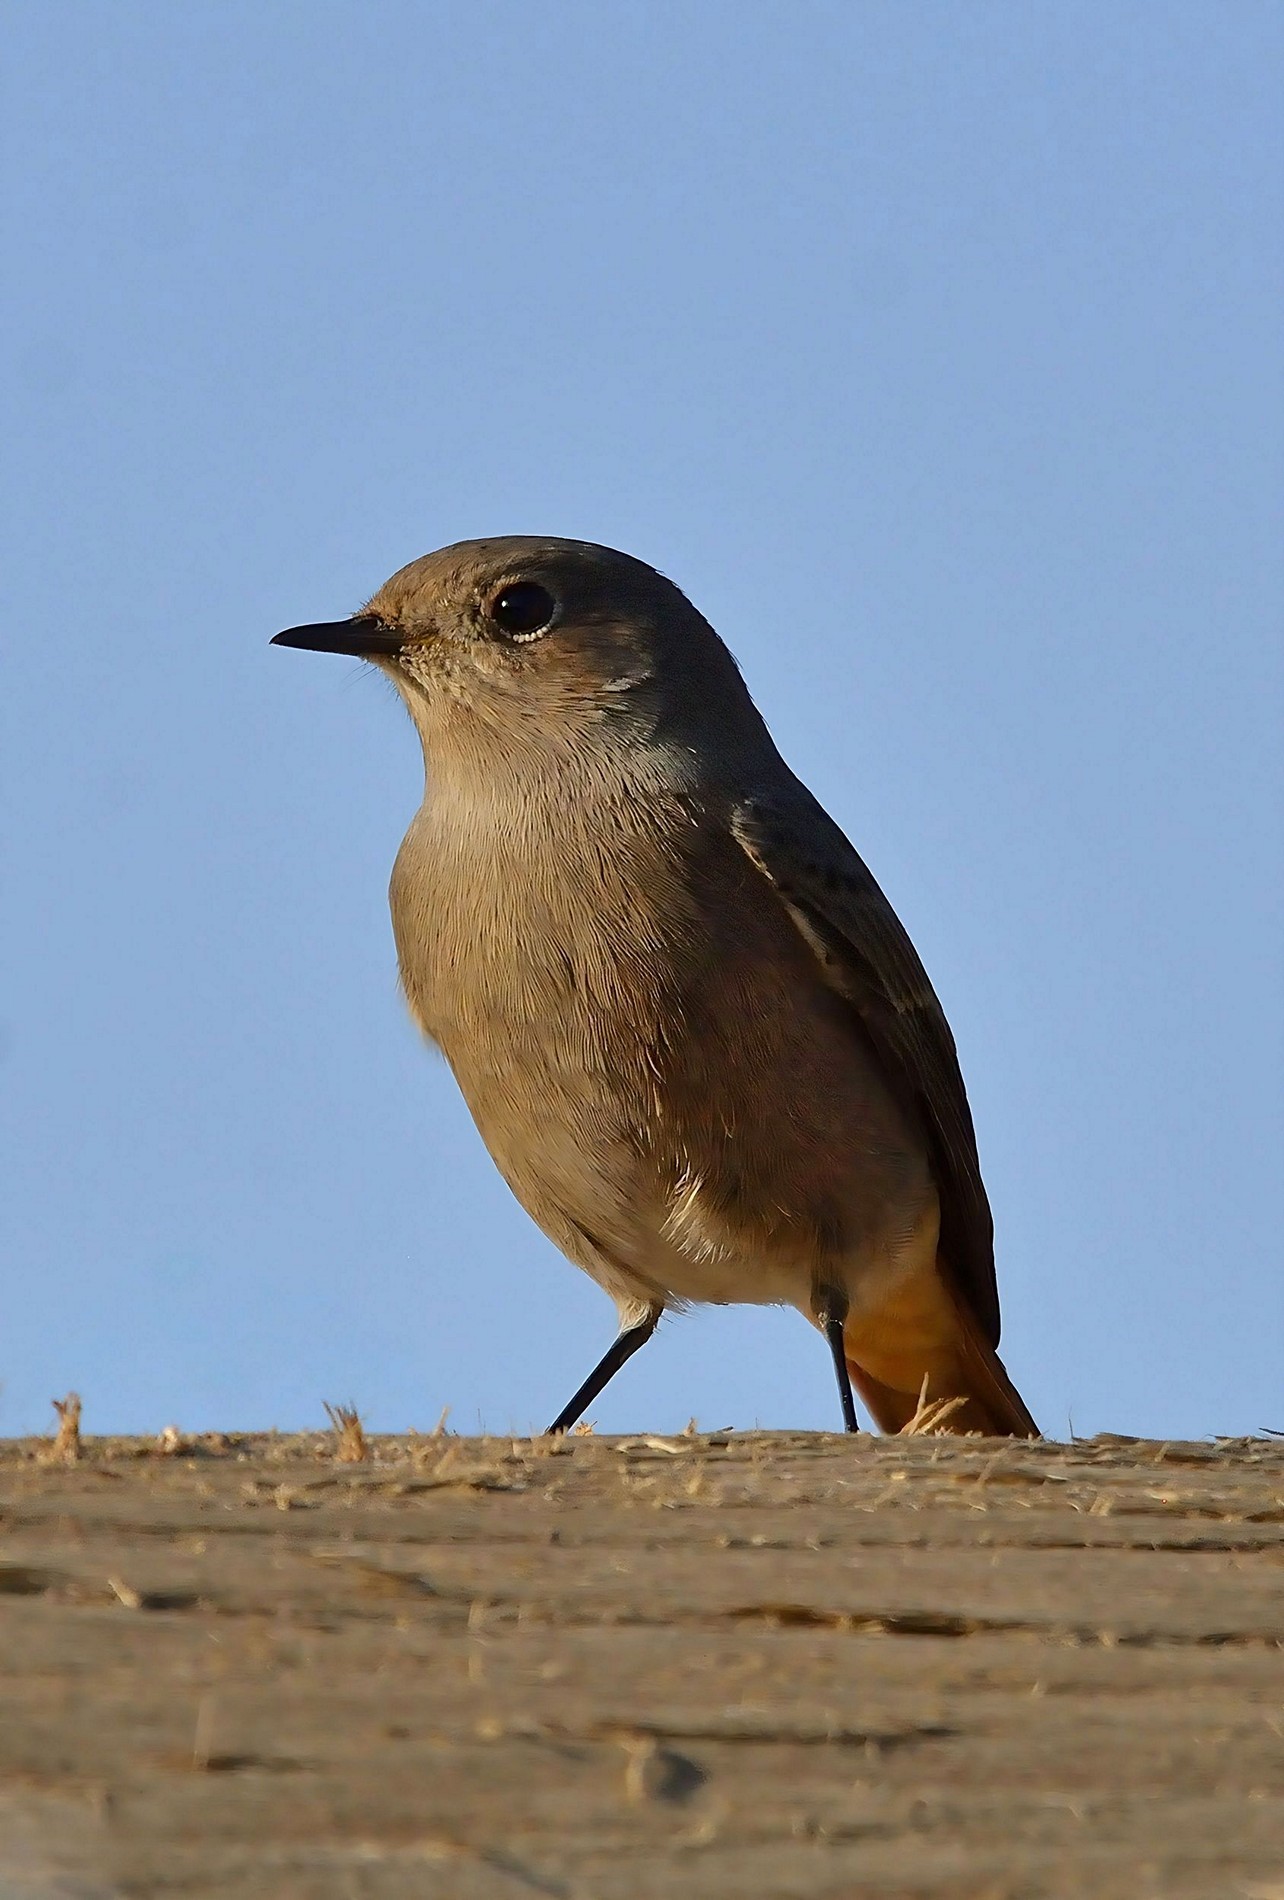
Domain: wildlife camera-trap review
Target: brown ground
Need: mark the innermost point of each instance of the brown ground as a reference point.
(715, 1668)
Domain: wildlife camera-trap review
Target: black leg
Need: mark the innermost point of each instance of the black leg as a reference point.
(831, 1311)
(834, 1334)
(622, 1347)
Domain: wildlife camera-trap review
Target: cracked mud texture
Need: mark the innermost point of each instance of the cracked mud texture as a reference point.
(751, 1666)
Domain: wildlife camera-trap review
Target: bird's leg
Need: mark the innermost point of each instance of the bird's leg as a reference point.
(622, 1347)
(830, 1308)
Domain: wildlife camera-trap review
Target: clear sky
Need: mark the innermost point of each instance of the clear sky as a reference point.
(933, 349)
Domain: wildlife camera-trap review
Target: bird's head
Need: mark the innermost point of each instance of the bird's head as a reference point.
(547, 644)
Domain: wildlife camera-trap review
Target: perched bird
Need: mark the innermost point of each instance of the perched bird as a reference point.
(692, 1032)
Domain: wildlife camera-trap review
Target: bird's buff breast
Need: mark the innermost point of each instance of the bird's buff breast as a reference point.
(551, 978)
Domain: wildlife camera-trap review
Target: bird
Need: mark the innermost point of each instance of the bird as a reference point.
(690, 1028)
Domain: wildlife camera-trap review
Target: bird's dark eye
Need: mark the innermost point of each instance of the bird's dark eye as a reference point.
(523, 611)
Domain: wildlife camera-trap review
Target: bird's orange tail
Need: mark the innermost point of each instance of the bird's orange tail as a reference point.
(910, 1372)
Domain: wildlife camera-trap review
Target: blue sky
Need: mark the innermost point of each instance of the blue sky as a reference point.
(933, 349)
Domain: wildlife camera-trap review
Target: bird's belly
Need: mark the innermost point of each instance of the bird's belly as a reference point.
(688, 1188)
(604, 1191)
(751, 1279)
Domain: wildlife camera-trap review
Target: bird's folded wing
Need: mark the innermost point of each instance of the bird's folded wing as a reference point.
(867, 958)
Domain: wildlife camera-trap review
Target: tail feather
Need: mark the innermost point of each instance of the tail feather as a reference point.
(990, 1388)
(960, 1364)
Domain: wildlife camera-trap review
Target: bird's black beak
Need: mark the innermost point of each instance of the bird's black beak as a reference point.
(363, 636)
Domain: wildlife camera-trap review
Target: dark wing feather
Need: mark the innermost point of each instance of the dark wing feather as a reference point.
(867, 957)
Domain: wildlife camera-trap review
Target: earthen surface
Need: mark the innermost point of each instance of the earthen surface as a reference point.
(736, 1667)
